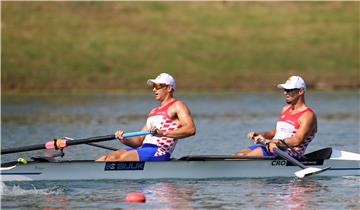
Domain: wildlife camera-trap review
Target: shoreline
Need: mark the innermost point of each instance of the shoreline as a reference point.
(147, 90)
(218, 87)
(202, 45)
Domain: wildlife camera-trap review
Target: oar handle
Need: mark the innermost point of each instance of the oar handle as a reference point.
(138, 133)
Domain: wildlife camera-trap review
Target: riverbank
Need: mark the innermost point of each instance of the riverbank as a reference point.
(206, 46)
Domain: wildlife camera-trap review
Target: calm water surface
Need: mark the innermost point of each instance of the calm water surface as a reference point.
(222, 120)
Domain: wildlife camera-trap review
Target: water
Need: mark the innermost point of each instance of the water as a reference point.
(222, 121)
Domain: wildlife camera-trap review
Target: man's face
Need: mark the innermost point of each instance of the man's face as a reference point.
(160, 90)
(291, 95)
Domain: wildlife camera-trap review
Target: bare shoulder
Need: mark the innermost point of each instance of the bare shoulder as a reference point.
(179, 107)
(309, 114)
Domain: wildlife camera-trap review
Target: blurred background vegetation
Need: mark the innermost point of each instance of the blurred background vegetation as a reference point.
(117, 46)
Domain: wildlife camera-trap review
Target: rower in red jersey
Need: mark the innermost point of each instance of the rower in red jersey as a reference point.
(170, 121)
(296, 126)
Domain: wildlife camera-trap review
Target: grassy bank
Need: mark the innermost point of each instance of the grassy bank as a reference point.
(50, 46)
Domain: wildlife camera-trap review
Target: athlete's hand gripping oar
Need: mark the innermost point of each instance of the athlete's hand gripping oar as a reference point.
(307, 171)
(62, 143)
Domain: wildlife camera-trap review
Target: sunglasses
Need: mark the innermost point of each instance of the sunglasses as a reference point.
(158, 86)
(290, 90)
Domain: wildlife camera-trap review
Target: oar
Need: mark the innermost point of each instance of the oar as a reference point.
(307, 171)
(61, 143)
(102, 146)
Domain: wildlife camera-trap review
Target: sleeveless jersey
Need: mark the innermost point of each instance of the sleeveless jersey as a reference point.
(287, 126)
(159, 118)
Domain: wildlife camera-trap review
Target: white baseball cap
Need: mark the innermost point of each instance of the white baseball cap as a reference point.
(294, 82)
(163, 78)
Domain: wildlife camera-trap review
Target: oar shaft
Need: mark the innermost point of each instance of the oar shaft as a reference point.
(90, 140)
(102, 146)
(306, 171)
(288, 158)
(73, 142)
(126, 135)
(42, 146)
(284, 155)
(22, 149)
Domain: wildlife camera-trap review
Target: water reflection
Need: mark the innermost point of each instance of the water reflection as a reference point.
(273, 193)
(294, 194)
(159, 194)
(300, 192)
(169, 196)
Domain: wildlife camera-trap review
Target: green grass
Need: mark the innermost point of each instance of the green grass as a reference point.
(56, 46)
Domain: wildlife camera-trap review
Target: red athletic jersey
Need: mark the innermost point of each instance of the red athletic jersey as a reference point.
(159, 118)
(287, 126)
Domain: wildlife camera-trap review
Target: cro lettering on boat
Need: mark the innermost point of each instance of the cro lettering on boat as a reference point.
(279, 163)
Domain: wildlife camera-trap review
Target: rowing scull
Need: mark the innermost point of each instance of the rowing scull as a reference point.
(342, 163)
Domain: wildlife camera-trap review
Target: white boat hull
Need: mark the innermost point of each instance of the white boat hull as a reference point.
(179, 169)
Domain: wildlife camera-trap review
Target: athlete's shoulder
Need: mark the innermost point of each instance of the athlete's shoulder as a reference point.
(308, 115)
(180, 106)
(310, 109)
(180, 103)
(309, 112)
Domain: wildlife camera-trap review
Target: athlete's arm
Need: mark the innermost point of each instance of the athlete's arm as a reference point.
(133, 142)
(264, 134)
(180, 111)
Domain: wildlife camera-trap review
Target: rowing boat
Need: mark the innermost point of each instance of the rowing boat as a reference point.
(341, 163)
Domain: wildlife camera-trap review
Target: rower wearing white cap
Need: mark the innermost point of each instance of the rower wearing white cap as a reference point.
(296, 126)
(170, 121)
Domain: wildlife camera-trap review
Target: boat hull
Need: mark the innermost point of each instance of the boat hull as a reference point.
(174, 169)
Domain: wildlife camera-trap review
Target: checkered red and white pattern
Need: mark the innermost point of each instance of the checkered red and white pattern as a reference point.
(159, 118)
(165, 144)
